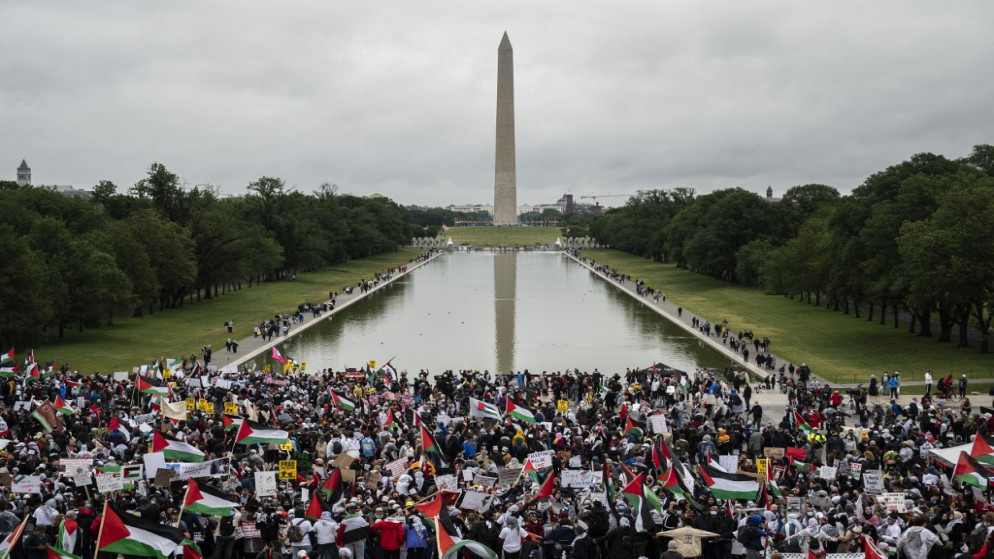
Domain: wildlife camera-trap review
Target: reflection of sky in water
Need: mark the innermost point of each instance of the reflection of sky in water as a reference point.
(552, 315)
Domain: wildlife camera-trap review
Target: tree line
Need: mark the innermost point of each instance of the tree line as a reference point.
(912, 242)
(71, 262)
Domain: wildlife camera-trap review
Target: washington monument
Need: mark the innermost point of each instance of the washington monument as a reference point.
(505, 181)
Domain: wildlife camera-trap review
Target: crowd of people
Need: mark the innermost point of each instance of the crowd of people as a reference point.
(526, 464)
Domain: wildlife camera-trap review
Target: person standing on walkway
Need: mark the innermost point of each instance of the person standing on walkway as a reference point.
(962, 387)
(928, 383)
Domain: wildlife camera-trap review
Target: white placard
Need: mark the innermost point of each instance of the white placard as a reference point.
(397, 467)
(76, 466)
(828, 473)
(154, 461)
(475, 500)
(120, 376)
(542, 459)
(893, 502)
(485, 482)
(658, 423)
(575, 478)
(109, 482)
(729, 462)
(468, 474)
(25, 484)
(265, 483)
(873, 482)
(447, 483)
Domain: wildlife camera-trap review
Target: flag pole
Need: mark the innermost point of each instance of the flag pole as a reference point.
(100, 533)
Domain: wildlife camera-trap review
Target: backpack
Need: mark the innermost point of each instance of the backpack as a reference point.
(336, 447)
(227, 526)
(295, 534)
(977, 538)
(743, 534)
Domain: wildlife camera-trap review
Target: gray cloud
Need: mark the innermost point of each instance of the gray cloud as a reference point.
(398, 97)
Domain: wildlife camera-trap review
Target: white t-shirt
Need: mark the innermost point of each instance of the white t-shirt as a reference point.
(512, 538)
(306, 527)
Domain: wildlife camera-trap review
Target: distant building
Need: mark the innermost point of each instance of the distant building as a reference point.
(69, 190)
(24, 174)
(471, 208)
(565, 204)
(769, 195)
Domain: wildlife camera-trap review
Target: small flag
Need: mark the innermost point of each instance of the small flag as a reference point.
(275, 353)
(486, 410)
(175, 449)
(207, 500)
(519, 412)
(251, 432)
(62, 407)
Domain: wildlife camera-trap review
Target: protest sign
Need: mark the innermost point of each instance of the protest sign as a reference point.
(109, 482)
(190, 404)
(231, 408)
(828, 473)
(508, 476)
(541, 459)
(658, 423)
(265, 483)
(774, 452)
(76, 466)
(762, 465)
(447, 483)
(892, 502)
(163, 477)
(562, 406)
(25, 484)
(397, 467)
(729, 463)
(288, 469)
(575, 478)
(873, 482)
(485, 482)
(475, 500)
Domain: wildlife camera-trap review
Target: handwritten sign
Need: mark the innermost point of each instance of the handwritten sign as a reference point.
(25, 484)
(508, 476)
(774, 452)
(578, 479)
(109, 482)
(541, 459)
(485, 482)
(828, 473)
(447, 483)
(288, 469)
(658, 423)
(873, 482)
(893, 502)
(265, 484)
(397, 467)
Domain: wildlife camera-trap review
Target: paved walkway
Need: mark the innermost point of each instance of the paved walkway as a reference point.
(251, 347)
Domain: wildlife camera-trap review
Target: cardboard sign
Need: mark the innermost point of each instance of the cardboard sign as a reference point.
(109, 482)
(265, 484)
(288, 469)
(163, 477)
(231, 408)
(774, 452)
(562, 406)
(343, 461)
(348, 476)
(828, 473)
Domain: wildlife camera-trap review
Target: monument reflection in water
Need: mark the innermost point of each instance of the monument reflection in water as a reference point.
(498, 312)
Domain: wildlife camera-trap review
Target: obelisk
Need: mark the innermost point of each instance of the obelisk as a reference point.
(505, 182)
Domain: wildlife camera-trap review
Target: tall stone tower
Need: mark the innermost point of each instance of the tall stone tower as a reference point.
(505, 180)
(23, 174)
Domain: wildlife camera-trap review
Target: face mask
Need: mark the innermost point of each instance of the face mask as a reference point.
(714, 513)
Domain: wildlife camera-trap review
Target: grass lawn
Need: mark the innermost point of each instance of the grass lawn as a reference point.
(502, 236)
(172, 333)
(837, 347)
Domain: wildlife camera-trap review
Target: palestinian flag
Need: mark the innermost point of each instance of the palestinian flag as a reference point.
(871, 551)
(430, 509)
(115, 425)
(800, 465)
(316, 507)
(548, 487)
(451, 546)
(418, 422)
(430, 447)
(670, 481)
(971, 471)
(520, 413)
(48, 370)
(62, 407)
(333, 487)
(389, 420)
(633, 429)
(8, 543)
(730, 486)
(129, 472)
(486, 410)
(230, 422)
(7, 359)
(636, 494)
(56, 553)
(251, 432)
(801, 424)
(9, 370)
(131, 535)
(660, 461)
(530, 470)
(343, 403)
(775, 488)
(352, 528)
(191, 550)
(151, 386)
(175, 449)
(715, 465)
(983, 449)
(68, 533)
(608, 482)
(207, 500)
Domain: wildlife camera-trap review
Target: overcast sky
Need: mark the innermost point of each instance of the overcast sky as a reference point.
(399, 98)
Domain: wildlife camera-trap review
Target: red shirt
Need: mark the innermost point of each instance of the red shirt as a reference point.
(391, 534)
